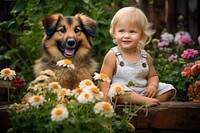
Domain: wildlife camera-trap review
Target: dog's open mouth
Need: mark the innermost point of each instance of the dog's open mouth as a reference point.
(68, 48)
(69, 52)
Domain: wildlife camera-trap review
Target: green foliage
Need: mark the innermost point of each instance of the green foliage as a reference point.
(25, 27)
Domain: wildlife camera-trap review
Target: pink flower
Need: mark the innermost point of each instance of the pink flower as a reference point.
(163, 44)
(172, 57)
(183, 37)
(189, 53)
(186, 39)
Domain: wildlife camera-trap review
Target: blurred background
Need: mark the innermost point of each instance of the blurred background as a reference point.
(21, 33)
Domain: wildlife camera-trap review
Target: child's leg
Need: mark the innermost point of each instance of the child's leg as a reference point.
(166, 96)
(135, 98)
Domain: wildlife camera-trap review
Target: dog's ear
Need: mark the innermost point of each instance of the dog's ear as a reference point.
(88, 24)
(50, 22)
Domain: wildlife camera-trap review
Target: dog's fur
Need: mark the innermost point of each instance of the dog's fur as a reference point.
(68, 37)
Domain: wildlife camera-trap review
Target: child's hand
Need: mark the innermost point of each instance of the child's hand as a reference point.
(150, 92)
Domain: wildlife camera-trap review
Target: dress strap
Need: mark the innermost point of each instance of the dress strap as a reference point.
(119, 56)
(143, 53)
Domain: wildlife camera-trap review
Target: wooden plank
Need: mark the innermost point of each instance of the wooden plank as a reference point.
(169, 115)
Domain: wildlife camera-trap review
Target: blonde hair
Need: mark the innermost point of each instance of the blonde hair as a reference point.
(134, 15)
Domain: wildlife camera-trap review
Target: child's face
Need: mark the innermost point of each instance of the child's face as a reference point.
(127, 35)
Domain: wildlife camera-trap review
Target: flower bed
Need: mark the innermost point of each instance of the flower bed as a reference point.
(48, 107)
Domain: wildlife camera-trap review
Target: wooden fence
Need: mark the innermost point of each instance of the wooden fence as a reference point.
(165, 14)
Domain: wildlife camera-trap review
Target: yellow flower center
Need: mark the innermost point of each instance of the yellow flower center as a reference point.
(86, 96)
(63, 92)
(95, 90)
(118, 89)
(54, 86)
(106, 106)
(88, 83)
(37, 98)
(58, 112)
(103, 75)
(7, 72)
(79, 90)
(66, 61)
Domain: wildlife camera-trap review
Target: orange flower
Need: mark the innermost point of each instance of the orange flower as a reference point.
(197, 84)
(195, 69)
(186, 72)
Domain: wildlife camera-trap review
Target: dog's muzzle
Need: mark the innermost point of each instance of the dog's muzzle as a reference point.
(69, 47)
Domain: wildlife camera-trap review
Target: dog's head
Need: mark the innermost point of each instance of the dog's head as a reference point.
(68, 36)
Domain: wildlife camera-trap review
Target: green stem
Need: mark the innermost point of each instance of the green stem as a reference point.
(98, 83)
(137, 109)
(61, 74)
(115, 103)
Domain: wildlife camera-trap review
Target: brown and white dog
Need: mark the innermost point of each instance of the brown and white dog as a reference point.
(68, 37)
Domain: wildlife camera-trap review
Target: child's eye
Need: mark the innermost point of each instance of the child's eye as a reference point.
(121, 31)
(132, 31)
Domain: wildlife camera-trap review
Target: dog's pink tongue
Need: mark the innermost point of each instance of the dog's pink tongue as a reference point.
(69, 51)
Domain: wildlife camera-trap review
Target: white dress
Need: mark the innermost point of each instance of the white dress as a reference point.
(137, 73)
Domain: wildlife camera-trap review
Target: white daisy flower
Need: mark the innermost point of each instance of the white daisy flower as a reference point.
(98, 95)
(102, 77)
(59, 113)
(24, 107)
(85, 83)
(63, 92)
(48, 73)
(41, 79)
(55, 87)
(36, 100)
(85, 97)
(116, 90)
(104, 109)
(7, 73)
(37, 87)
(77, 91)
(65, 63)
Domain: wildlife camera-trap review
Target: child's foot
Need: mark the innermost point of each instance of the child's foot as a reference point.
(151, 101)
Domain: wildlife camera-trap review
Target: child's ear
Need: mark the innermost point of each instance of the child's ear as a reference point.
(142, 36)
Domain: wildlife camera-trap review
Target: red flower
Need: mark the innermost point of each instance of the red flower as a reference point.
(186, 72)
(18, 83)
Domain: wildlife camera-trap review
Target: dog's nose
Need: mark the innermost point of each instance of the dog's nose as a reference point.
(71, 42)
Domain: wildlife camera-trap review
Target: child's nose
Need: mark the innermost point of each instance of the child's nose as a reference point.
(127, 34)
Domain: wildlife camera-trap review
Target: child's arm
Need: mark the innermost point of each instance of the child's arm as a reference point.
(152, 79)
(108, 67)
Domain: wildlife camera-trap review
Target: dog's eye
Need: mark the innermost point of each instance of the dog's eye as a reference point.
(62, 29)
(77, 30)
